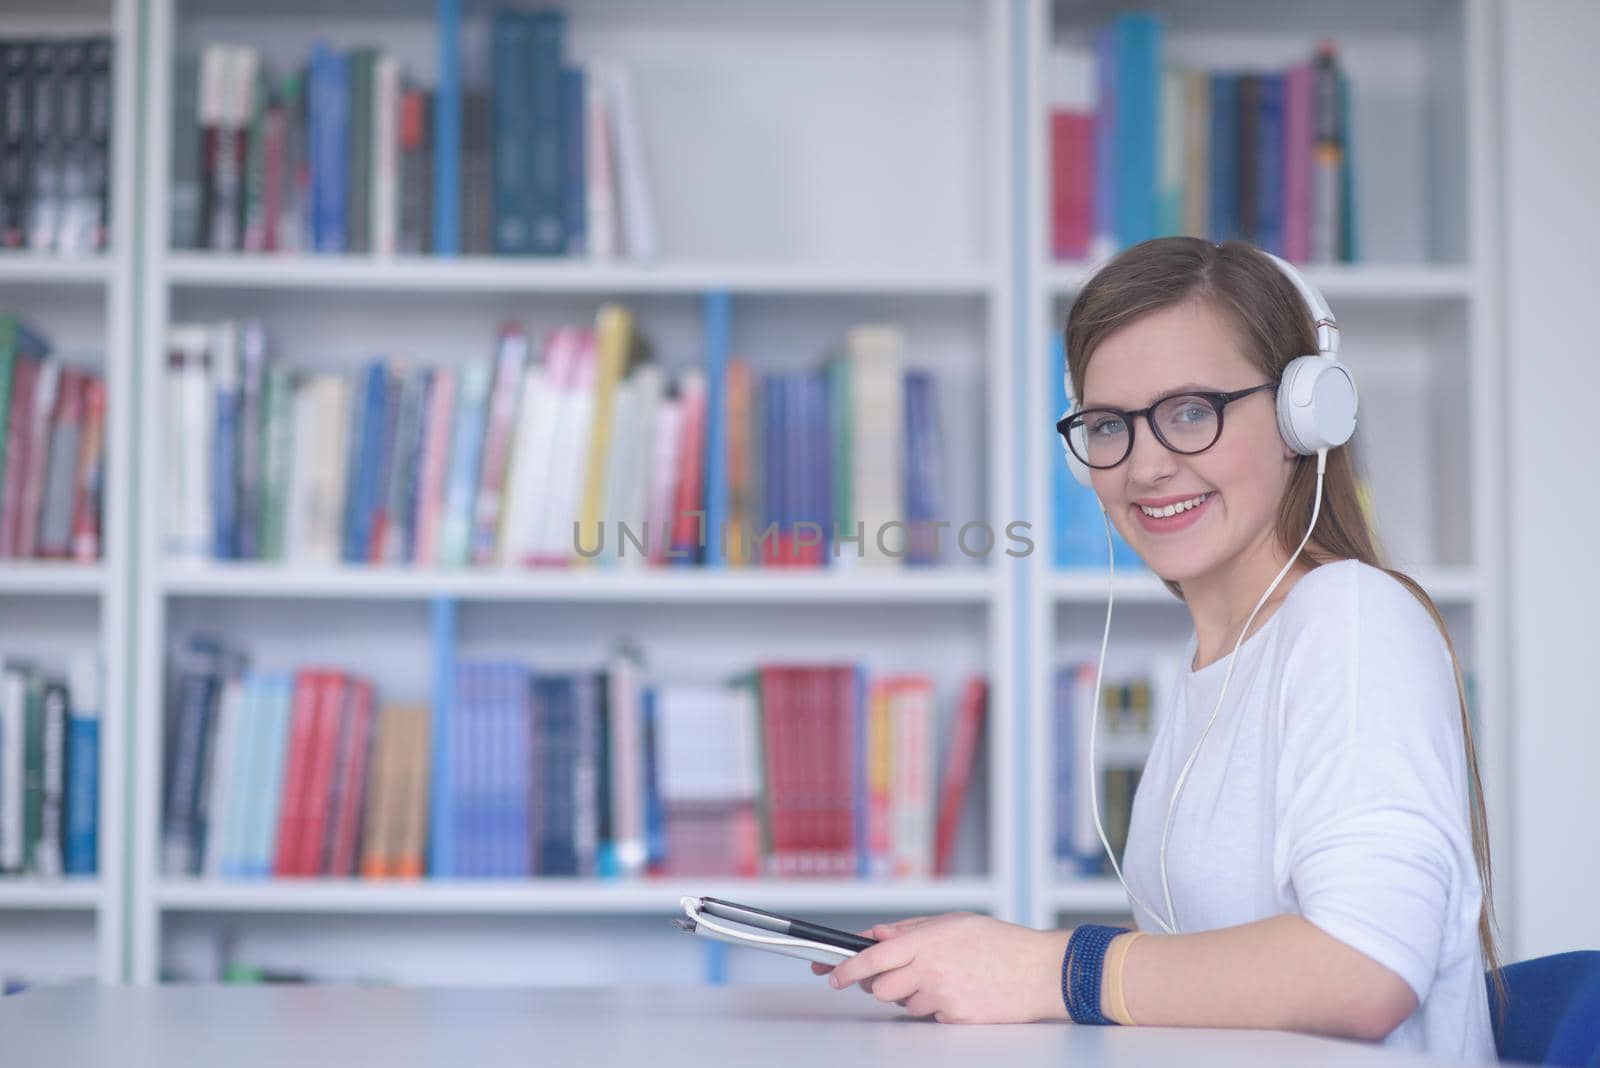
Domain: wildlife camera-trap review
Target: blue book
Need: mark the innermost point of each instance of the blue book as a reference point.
(466, 456)
(773, 452)
(1138, 141)
(278, 708)
(797, 459)
(225, 453)
(329, 136)
(1105, 135)
(447, 130)
(573, 126)
(1269, 162)
(655, 810)
(368, 401)
(511, 42)
(1349, 249)
(1064, 767)
(718, 328)
(413, 457)
(1224, 157)
(822, 434)
(546, 187)
(83, 789)
(465, 784)
(1077, 528)
(441, 785)
(556, 740)
(520, 755)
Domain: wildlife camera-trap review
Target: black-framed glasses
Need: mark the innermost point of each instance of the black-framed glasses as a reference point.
(1187, 423)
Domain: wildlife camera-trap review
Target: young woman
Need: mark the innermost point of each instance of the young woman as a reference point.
(1327, 859)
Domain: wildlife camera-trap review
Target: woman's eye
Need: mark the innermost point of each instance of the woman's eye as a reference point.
(1106, 427)
(1193, 413)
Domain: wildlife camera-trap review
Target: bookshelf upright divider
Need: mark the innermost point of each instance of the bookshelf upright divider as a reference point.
(50, 609)
(780, 300)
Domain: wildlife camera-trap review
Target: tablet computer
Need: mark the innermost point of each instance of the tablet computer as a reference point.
(746, 925)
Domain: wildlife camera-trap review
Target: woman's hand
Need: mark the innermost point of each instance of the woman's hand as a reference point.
(961, 968)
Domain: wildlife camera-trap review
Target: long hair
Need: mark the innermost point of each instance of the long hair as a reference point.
(1273, 326)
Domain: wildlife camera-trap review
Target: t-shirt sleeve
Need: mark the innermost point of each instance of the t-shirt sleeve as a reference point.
(1374, 834)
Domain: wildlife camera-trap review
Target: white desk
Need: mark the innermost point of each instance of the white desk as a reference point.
(301, 1027)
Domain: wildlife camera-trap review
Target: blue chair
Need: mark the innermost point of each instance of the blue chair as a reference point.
(1552, 1011)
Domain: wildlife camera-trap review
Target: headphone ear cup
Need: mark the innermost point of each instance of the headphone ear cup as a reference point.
(1316, 404)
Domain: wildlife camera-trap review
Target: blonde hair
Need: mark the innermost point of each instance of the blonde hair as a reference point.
(1273, 325)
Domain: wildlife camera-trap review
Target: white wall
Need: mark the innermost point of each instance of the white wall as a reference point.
(1552, 243)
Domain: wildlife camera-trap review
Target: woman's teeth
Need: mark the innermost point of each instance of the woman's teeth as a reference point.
(1174, 509)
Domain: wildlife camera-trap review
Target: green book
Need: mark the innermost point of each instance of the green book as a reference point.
(358, 156)
(277, 437)
(33, 773)
(16, 340)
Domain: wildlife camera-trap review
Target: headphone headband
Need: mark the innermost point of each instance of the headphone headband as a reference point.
(1321, 314)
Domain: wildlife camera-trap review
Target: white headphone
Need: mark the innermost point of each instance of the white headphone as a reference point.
(1316, 412)
(1316, 394)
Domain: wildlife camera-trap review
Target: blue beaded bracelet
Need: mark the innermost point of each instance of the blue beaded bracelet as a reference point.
(1081, 970)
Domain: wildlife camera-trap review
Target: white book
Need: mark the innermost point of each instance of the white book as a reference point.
(664, 474)
(570, 453)
(13, 713)
(526, 477)
(188, 428)
(385, 224)
(297, 503)
(623, 457)
(635, 507)
(600, 191)
(877, 388)
(911, 781)
(245, 791)
(224, 769)
(627, 763)
(638, 214)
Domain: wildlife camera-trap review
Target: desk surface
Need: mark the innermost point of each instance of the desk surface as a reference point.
(271, 1027)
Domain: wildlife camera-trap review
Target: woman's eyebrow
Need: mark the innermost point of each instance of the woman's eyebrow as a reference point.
(1182, 387)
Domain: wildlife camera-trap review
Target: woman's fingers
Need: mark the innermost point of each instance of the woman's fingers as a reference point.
(883, 957)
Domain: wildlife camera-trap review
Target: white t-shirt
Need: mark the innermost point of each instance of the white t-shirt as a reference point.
(1333, 785)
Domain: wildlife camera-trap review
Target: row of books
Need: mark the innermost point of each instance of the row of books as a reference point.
(813, 770)
(52, 450)
(344, 153)
(1141, 147)
(1127, 727)
(49, 769)
(55, 143)
(587, 453)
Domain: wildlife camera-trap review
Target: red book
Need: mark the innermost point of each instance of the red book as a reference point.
(842, 779)
(958, 770)
(42, 414)
(686, 528)
(291, 811)
(352, 779)
(309, 851)
(773, 709)
(19, 433)
(1071, 183)
(89, 472)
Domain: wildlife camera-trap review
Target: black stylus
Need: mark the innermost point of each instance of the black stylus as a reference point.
(767, 921)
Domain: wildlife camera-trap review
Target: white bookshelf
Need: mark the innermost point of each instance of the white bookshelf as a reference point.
(819, 216)
(882, 188)
(68, 929)
(1419, 320)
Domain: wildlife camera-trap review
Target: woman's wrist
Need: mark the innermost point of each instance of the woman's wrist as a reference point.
(1113, 995)
(1053, 948)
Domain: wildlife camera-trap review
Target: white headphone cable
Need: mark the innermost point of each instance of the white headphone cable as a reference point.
(1170, 925)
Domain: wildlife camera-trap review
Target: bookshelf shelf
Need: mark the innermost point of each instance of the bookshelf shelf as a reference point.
(572, 896)
(478, 274)
(21, 268)
(50, 579)
(1088, 587)
(1392, 283)
(45, 895)
(667, 585)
